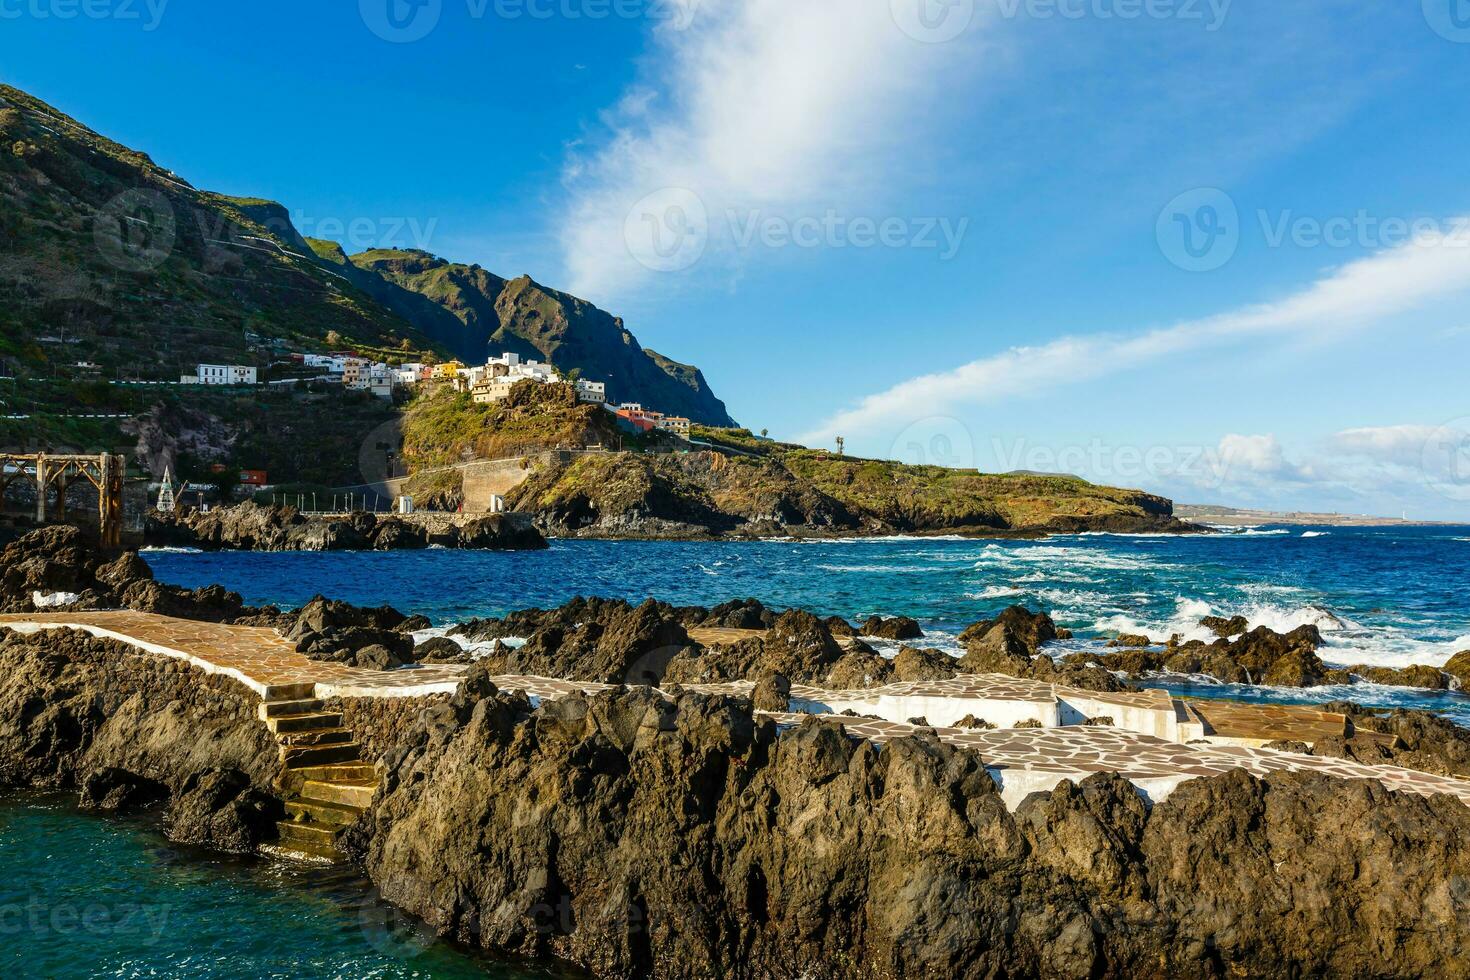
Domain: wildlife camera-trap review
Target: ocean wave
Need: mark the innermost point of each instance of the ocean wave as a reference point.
(1185, 621)
(996, 592)
(884, 569)
(167, 550)
(878, 539)
(1093, 558)
(1316, 534)
(1389, 647)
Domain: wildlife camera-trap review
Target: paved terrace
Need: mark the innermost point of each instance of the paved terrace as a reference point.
(1145, 743)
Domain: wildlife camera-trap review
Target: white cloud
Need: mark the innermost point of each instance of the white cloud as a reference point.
(788, 107)
(1356, 295)
(1257, 457)
(1400, 444)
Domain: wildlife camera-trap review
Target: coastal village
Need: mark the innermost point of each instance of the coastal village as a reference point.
(486, 383)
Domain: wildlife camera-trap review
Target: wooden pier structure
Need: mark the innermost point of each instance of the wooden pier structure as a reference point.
(105, 472)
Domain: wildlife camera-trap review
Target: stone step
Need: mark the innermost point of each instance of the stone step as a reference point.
(288, 692)
(308, 835)
(277, 709)
(324, 736)
(322, 813)
(342, 772)
(357, 794)
(305, 723)
(302, 756)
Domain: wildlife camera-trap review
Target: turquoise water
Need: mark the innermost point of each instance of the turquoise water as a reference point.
(86, 896)
(1389, 597)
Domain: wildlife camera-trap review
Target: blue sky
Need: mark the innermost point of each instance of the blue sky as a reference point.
(950, 230)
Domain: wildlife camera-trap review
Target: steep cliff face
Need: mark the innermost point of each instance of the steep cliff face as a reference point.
(524, 317)
(643, 838)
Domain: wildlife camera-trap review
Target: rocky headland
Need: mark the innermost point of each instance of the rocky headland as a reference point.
(256, 527)
(746, 488)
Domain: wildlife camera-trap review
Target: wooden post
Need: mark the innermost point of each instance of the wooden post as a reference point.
(41, 489)
(109, 500)
(104, 487)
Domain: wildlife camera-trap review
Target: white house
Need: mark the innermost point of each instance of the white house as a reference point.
(222, 374)
(325, 362)
(377, 378)
(593, 392)
(502, 372)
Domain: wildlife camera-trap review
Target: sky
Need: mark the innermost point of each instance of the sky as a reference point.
(1216, 249)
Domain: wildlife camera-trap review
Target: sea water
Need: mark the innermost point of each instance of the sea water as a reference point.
(1381, 596)
(87, 896)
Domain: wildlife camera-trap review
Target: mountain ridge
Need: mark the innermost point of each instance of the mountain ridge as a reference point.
(524, 317)
(111, 259)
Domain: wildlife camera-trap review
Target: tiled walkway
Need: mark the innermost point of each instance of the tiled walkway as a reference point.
(259, 658)
(1021, 760)
(1026, 760)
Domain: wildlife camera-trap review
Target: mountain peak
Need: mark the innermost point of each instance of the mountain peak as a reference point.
(523, 316)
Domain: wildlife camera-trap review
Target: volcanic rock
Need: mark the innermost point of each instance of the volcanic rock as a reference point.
(548, 834)
(913, 664)
(1226, 628)
(1033, 630)
(895, 628)
(772, 693)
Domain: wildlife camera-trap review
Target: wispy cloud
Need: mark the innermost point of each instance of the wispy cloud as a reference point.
(788, 107)
(1352, 297)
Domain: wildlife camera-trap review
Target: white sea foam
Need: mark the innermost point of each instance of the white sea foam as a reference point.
(1047, 555)
(884, 569)
(1185, 621)
(996, 592)
(478, 649)
(162, 550)
(1389, 647)
(1316, 534)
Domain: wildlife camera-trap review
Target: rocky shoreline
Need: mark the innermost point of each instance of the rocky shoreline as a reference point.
(679, 835)
(641, 527)
(256, 527)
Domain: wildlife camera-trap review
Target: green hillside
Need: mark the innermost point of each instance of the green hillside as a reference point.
(109, 258)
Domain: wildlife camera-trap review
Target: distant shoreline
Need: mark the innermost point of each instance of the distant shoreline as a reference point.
(1239, 517)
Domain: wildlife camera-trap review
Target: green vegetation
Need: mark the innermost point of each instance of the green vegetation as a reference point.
(442, 427)
(788, 485)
